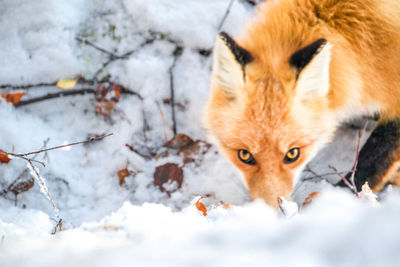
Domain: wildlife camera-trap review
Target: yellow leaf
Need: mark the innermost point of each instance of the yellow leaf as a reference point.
(66, 84)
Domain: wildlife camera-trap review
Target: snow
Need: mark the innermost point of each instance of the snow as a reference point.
(104, 223)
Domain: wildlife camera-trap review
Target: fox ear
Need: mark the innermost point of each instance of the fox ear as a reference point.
(229, 62)
(312, 64)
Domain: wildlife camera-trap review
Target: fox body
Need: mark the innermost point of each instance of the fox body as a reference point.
(279, 92)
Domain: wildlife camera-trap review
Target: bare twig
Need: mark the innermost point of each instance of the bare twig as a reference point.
(26, 86)
(35, 172)
(24, 155)
(54, 95)
(59, 225)
(344, 179)
(113, 57)
(63, 93)
(308, 169)
(321, 176)
(163, 122)
(177, 53)
(92, 139)
(43, 186)
(131, 148)
(353, 170)
(23, 173)
(86, 42)
(228, 10)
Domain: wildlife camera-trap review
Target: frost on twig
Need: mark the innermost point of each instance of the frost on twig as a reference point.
(367, 194)
(42, 184)
(35, 171)
(228, 10)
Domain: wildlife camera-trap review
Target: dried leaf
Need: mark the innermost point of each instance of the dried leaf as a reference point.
(117, 90)
(179, 141)
(146, 156)
(227, 206)
(198, 147)
(201, 207)
(168, 173)
(13, 98)
(23, 186)
(105, 107)
(184, 144)
(168, 101)
(122, 174)
(101, 91)
(107, 92)
(310, 199)
(67, 84)
(4, 158)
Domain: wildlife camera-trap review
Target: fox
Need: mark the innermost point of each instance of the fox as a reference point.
(300, 68)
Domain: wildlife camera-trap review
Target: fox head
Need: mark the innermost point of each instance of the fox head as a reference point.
(270, 115)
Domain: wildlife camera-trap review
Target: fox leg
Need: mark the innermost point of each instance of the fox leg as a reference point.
(379, 159)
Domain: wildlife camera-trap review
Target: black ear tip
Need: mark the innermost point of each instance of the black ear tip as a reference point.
(304, 55)
(242, 55)
(226, 37)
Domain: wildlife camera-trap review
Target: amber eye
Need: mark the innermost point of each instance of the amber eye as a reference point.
(292, 155)
(246, 157)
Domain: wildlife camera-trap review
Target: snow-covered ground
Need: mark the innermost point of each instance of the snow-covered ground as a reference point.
(147, 47)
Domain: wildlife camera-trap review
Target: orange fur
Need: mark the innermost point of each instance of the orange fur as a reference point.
(267, 116)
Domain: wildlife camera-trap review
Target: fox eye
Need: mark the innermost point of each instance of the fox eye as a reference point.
(246, 157)
(292, 155)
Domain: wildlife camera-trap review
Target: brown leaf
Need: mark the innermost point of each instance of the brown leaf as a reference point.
(310, 198)
(23, 186)
(227, 206)
(105, 107)
(201, 207)
(184, 144)
(4, 158)
(101, 91)
(198, 147)
(179, 141)
(168, 172)
(122, 174)
(13, 98)
(117, 90)
(168, 101)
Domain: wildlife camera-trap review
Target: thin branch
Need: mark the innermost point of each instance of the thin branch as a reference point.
(353, 170)
(59, 225)
(177, 53)
(344, 179)
(63, 93)
(86, 42)
(125, 90)
(308, 169)
(163, 122)
(113, 57)
(54, 95)
(81, 80)
(321, 176)
(131, 148)
(92, 139)
(23, 173)
(43, 187)
(228, 10)
(26, 86)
